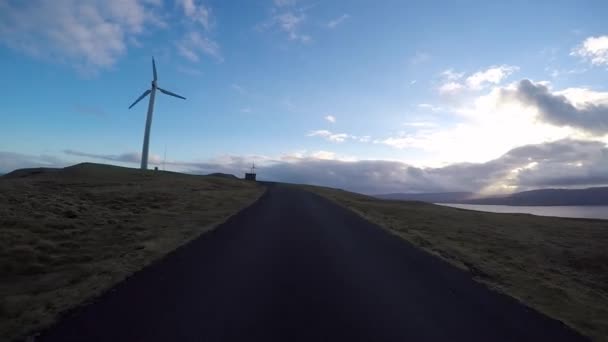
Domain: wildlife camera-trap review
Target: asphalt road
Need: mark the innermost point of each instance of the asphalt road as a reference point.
(296, 267)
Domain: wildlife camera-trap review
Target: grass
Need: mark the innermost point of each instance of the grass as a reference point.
(66, 236)
(558, 266)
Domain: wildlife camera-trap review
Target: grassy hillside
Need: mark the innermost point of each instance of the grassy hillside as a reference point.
(558, 266)
(67, 235)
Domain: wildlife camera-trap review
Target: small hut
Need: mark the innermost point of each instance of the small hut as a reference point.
(250, 175)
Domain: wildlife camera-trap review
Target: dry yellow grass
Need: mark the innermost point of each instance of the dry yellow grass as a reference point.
(558, 266)
(67, 236)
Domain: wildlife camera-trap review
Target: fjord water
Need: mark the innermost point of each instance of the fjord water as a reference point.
(596, 211)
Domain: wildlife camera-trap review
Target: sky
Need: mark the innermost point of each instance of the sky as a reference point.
(369, 96)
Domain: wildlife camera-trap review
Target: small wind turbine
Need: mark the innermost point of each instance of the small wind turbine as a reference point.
(152, 92)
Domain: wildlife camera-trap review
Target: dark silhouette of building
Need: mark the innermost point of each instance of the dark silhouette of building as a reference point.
(250, 175)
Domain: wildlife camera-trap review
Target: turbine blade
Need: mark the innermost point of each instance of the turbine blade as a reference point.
(170, 93)
(141, 97)
(154, 68)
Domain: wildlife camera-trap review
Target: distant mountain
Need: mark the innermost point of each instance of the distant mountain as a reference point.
(549, 197)
(439, 197)
(589, 196)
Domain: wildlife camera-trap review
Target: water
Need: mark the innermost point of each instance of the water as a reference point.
(596, 211)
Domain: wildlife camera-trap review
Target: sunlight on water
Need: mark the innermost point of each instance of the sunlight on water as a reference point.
(598, 212)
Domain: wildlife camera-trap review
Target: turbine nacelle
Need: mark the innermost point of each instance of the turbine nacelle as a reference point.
(154, 85)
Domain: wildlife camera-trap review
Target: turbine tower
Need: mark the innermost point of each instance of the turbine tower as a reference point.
(152, 92)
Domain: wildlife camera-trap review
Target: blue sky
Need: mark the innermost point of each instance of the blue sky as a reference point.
(366, 95)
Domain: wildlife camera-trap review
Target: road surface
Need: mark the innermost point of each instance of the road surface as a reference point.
(296, 267)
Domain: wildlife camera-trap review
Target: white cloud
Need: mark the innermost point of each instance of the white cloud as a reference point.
(319, 133)
(289, 23)
(492, 75)
(330, 118)
(287, 18)
(339, 137)
(594, 50)
(293, 155)
(337, 21)
(581, 97)
(420, 124)
(451, 75)
(453, 83)
(399, 142)
(89, 35)
(428, 106)
(93, 35)
(198, 13)
(324, 155)
(195, 44)
(298, 156)
(450, 88)
(555, 73)
(334, 137)
(486, 127)
(188, 6)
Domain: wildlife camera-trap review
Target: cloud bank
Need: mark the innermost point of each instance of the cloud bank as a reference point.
(558, 110)
(562, 163)
(130, 157)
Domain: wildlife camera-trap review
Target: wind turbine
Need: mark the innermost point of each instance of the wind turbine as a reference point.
(152, 92)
